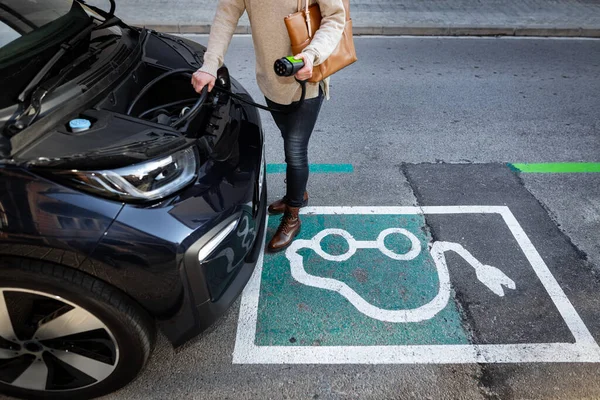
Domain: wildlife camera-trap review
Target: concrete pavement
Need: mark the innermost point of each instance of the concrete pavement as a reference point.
(399, 17)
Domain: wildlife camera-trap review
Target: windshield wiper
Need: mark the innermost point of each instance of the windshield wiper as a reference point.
(20, 122)
(36, 90)
(43, 89)
(64, 48)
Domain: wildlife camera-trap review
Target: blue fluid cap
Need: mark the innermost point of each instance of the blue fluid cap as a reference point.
(80, 125)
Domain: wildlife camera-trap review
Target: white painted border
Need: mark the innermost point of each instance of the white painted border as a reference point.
(585, 348)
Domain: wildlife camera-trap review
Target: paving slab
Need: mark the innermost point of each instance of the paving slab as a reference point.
(399, 17)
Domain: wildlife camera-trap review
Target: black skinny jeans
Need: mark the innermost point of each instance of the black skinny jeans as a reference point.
(296, 129)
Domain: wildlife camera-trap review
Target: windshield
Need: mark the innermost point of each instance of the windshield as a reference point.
(28, 29)
(31, 32)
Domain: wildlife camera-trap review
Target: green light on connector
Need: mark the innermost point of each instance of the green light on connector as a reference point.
(294, 60)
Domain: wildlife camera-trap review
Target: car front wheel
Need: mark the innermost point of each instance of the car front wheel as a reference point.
(66, 334)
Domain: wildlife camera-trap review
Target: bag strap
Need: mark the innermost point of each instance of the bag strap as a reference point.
(306, 15)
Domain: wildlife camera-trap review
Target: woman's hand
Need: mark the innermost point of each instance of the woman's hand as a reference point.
(305, 72)
(201, 79)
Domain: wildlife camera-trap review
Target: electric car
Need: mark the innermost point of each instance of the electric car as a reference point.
(128, 202)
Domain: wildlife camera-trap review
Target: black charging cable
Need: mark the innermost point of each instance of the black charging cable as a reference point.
(286, 66)
(286, 110)
(188, 72)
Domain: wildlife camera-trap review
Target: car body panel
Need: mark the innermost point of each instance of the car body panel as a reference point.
(45, 221)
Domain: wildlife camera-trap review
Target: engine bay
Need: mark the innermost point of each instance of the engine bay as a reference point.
(152, 110)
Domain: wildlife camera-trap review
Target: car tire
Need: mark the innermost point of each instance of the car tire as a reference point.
(83, 336)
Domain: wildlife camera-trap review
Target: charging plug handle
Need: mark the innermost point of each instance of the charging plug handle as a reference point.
(288, 66)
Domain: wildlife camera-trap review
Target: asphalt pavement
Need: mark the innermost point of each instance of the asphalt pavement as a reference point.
(422, 133)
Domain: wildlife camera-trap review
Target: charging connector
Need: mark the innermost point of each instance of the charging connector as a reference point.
(288, 66)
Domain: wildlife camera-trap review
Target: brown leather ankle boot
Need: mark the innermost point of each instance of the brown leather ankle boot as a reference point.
(278, 206)
(287, 231)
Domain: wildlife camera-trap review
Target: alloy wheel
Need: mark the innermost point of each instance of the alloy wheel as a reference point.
(50, 344)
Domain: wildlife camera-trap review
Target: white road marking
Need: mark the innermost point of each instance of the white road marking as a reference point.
(585, 349)
(490, 276)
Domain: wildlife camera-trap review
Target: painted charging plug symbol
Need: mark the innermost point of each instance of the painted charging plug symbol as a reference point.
(492, 277)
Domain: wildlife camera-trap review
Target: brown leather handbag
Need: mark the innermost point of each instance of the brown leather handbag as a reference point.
(302, 26)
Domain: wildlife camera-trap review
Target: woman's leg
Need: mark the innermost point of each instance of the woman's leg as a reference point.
(296, 128)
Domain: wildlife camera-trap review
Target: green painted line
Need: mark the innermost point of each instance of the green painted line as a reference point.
(556, 168)
(314, 168)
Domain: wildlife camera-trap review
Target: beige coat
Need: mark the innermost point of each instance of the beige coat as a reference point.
(271, 42)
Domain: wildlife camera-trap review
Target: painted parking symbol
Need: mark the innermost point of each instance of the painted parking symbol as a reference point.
(488, 275)
(371, 285)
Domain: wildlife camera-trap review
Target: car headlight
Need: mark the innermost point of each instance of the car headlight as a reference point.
(150, 180)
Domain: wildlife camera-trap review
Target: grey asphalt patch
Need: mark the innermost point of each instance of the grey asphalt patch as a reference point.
(574, 203)
(495, 184)
(445, 184)
(524, 315)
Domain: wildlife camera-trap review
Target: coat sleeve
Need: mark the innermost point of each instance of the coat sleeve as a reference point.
(226, 19)
(329, 34)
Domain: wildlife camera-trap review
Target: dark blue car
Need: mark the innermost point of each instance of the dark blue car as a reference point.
(127, 200)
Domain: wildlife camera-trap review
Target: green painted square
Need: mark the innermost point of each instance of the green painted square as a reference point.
(293, 314)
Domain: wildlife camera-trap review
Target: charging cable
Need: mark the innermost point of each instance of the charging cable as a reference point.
(286, 66)
(253, 104)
